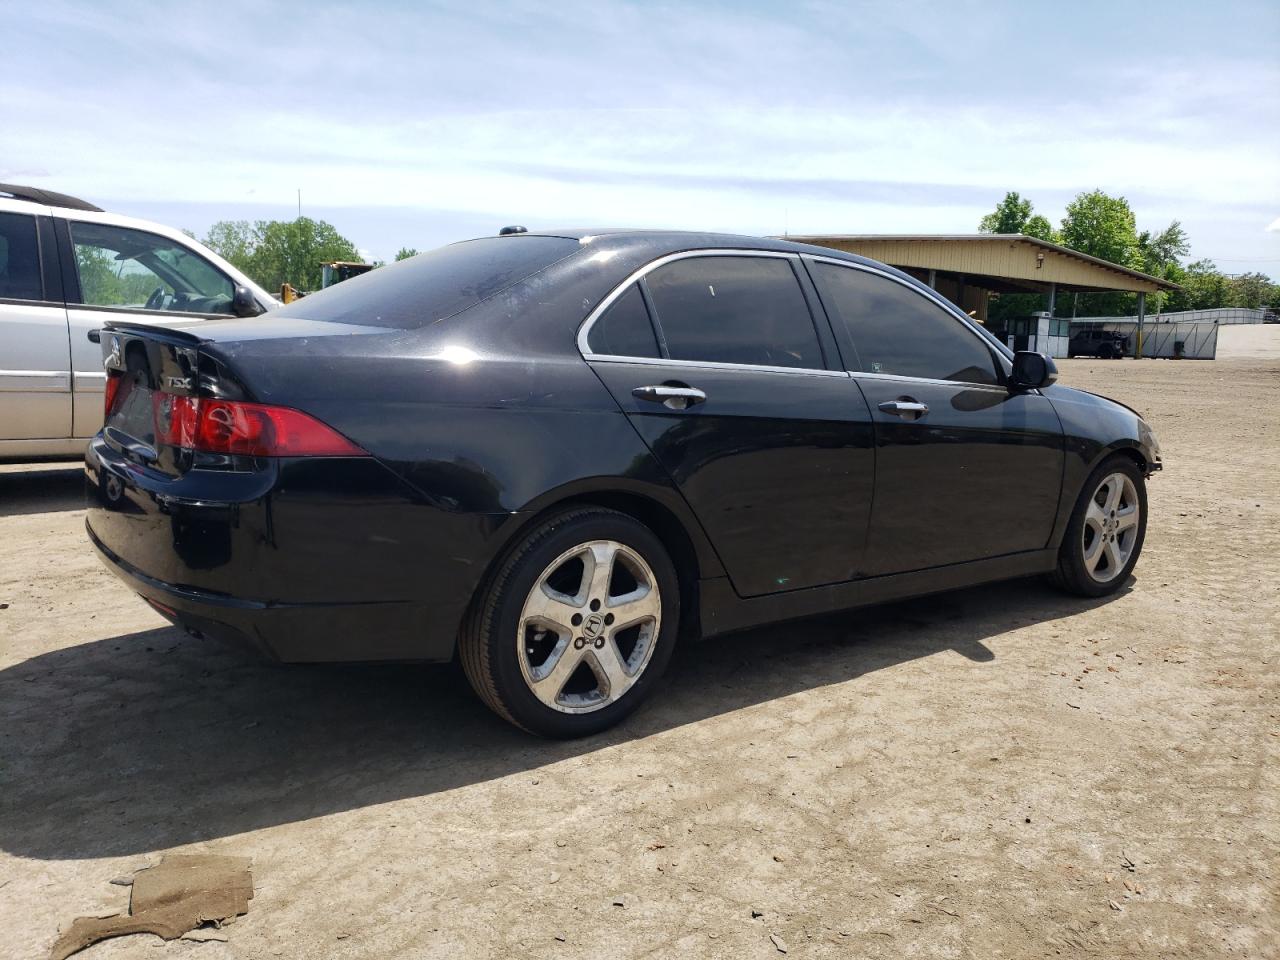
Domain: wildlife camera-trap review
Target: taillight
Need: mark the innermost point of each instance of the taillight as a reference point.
(114, 379)
(246, 429)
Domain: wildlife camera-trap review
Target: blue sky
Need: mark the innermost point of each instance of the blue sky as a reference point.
(417, 124)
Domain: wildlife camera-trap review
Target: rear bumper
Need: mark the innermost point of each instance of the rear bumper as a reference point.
(287, 632)
(305, 560)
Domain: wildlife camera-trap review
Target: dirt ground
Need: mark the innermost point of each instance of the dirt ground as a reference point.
(998, 772)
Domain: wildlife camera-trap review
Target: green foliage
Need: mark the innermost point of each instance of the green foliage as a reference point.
(1203, 288)
(1102, 226)
(1164, 249)
(1040, 228)
(274, 252)
(404, 253)
(1105, 227)
(1014, 214)
(114, 283)
(1254, 290)
(1010, 216)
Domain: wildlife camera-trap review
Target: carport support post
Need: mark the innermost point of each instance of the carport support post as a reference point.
(1053, 297)
(1142, 317)
(933, 279)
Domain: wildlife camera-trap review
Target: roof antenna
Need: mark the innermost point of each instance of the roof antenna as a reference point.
(509, 231)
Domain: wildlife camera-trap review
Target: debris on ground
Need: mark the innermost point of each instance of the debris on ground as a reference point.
(173, 898)
(205, 935)
(778, 943)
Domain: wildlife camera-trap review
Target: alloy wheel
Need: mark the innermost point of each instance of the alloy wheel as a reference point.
(1110, 527)
(588, 626)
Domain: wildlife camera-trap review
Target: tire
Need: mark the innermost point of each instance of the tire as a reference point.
(1099, 549)
(1106, 351)
(534, 666)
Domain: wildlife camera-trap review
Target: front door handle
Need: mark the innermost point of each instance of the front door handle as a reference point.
(905, 407)
(670, 396)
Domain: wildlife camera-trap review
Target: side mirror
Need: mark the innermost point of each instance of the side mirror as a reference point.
(1032, 371)
(244, 304)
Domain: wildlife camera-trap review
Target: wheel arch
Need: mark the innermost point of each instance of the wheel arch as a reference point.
(666, 515)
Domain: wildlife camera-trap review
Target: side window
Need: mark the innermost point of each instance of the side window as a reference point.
(19, 258)
(624, 329)
(734, 310)
(897, 330)
(120, 267)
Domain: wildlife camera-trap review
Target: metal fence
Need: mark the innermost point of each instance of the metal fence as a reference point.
(1217, 315)
(1171, 340)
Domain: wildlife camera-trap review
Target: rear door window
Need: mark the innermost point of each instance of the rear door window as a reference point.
(625, 329)
(734, 309)
(19, 258)
(896, 330)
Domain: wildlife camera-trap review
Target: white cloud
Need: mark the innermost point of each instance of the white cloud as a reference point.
(829, 117)
(1274, 226)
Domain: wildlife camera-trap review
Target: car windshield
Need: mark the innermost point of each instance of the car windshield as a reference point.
(435, 285)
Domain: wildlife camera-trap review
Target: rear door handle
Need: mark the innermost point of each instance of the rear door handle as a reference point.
(671, 397)
(905, 407)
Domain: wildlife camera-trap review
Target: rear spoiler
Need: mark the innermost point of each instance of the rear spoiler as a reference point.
(159, 334)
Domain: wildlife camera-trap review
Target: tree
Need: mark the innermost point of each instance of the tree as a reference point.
(1203, 287)
(1013, 214)
(404, 253)
(274, 252)
(1164, 249)
(1040, 228)
(1102, 226)
(1253, 290)
(233, 241)
(1010, 215)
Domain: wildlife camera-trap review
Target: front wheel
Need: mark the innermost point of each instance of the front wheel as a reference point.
(576, 625)
(1106, 531)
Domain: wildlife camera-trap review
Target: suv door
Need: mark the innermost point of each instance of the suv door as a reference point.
(965, 470)
(716, 360)
(122, 273)
(35, 365)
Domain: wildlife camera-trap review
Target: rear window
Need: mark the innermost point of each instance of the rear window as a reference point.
(433, 286)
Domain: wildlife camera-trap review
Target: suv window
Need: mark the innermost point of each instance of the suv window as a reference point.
(120, 267)
(624, 329)
(19, 258)
(896, 330)
(727, 309)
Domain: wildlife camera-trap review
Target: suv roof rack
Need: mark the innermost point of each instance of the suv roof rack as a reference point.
(49, 198)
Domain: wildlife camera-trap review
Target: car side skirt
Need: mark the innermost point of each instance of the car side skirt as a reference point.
(723, 611)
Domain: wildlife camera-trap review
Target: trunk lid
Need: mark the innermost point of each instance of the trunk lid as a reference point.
(148, 368)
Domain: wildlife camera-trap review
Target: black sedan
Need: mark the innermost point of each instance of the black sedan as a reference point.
(553, 454)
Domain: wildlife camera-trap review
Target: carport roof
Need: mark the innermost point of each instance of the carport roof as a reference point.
(1010, 260)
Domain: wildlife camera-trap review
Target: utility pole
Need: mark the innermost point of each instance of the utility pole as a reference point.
(299, 203)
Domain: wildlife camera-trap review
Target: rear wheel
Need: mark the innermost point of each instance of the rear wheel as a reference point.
(1107, 528)
(576, 626)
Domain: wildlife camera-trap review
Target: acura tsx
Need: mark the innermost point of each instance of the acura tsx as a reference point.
(553, 454)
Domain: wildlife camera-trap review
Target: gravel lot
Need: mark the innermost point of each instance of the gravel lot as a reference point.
(998, 772)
